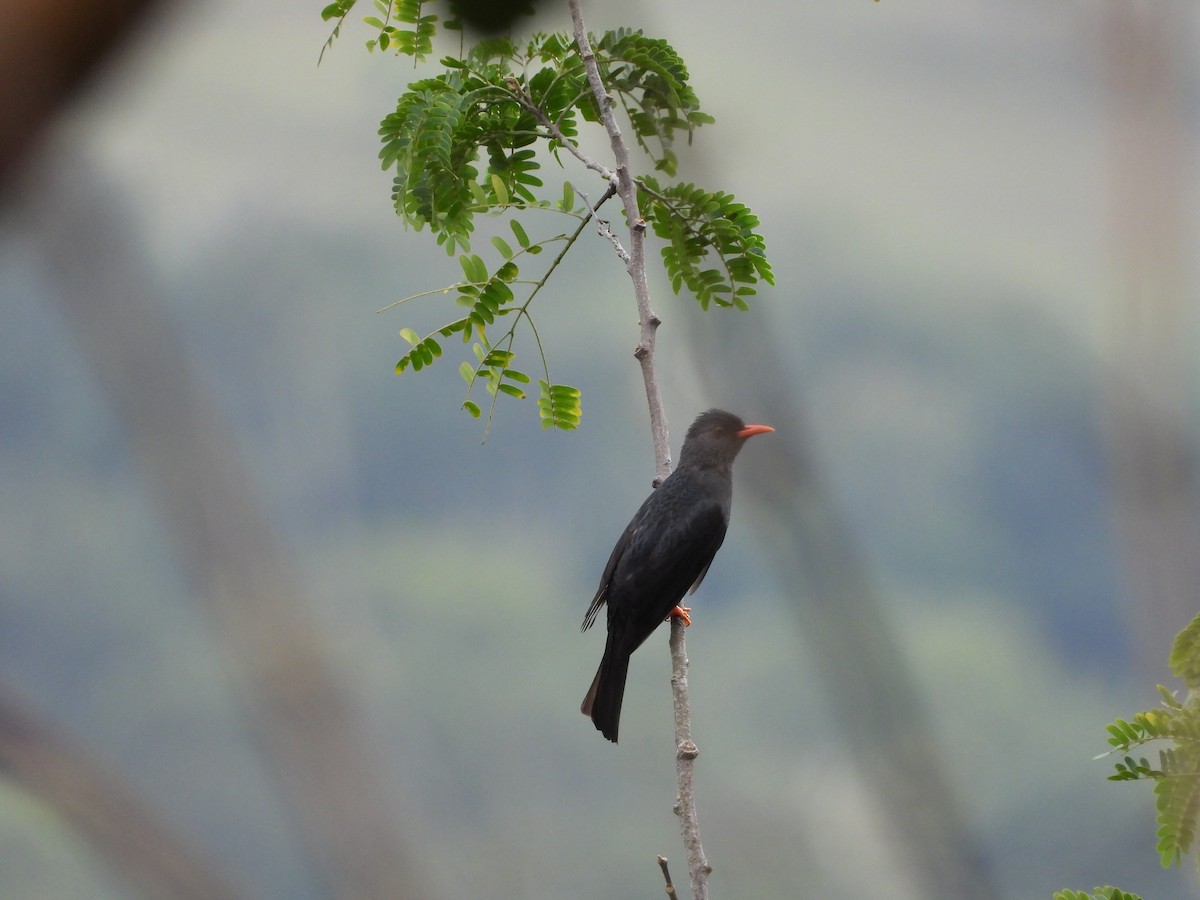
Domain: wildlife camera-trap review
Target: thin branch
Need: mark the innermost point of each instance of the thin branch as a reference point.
(662, 864)
(523, 310)
(627, 190)
(686, 752)
(603, 226)
(685, 761)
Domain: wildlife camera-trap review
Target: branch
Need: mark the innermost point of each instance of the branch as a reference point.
(686, 752)
(627, 190)
(662, 864)
(104, 811)
(603, 226)
(685, 749)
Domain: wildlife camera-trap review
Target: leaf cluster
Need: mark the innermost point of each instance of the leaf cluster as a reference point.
(650, 81)
(1176, 773)
(710, 242)
(488, 296)
(1100, 893)
(464, 142)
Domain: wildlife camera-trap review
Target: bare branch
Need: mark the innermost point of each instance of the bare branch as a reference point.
(603, 226)
(662, 864)
(686, 752)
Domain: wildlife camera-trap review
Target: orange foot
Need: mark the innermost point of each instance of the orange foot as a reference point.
(681, 612)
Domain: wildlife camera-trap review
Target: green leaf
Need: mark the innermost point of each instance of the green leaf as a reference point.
(467, 371)
(337, 10)
(500, 244)
(519, 233)
(472, 407)
(411, 336)
(1169, 699)
(501, 189)
(512, 390)
(473, 268)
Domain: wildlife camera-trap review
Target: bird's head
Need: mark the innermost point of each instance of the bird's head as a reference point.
(715, 438)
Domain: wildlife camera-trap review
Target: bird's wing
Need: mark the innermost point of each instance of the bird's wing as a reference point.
(611, 566)
(661, 564)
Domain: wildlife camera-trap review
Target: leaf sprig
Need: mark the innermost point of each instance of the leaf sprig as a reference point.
(1176, 776)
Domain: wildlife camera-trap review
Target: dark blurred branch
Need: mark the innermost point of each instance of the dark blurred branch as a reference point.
(1149, 395)
(297, 711)
(117, 824)
(865, 675)
(48, 51)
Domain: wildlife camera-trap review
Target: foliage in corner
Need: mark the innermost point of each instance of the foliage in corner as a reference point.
(1100, 893)
(464, 142)
(1176, 774)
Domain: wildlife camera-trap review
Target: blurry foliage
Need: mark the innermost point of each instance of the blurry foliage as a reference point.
(462, 143)
(1176, 776)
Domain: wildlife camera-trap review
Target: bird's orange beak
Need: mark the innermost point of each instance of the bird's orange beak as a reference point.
(751, 430)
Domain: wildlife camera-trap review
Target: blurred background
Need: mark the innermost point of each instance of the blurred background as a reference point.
(274, 623)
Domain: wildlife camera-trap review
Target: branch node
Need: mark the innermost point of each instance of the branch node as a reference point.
(687, 750)
(640, 351)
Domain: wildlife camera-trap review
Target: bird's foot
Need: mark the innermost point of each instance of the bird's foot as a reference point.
(681, 612)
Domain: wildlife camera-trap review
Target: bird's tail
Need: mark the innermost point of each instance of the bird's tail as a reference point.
(603, 700)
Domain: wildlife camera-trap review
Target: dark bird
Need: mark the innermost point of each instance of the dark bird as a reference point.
(666, 550)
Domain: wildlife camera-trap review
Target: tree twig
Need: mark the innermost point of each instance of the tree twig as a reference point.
(603, 226)
(685, 748)
(662, 864)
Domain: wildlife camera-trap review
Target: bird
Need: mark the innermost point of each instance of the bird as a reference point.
(664, 551)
